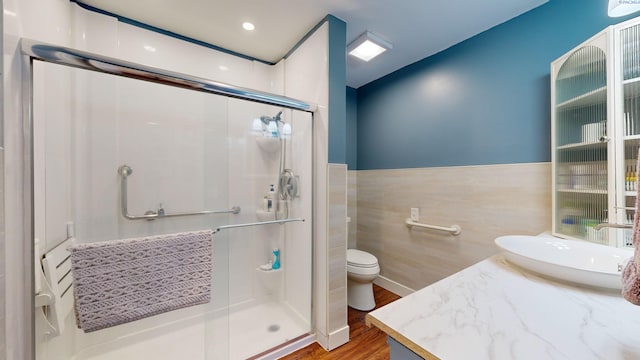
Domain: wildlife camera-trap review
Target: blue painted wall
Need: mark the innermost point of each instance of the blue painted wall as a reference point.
(337, 86)
(483, 101)
(352, 128)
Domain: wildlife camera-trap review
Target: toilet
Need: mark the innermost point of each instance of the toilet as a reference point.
(362, 269)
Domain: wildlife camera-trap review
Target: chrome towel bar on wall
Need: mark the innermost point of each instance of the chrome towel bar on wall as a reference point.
(453, 229)
(125, 171)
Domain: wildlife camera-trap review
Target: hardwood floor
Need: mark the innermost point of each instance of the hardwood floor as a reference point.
(365, 343)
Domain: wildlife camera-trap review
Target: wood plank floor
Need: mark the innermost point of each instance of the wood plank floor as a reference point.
(365, 343)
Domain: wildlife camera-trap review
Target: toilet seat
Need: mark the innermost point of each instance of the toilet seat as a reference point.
(358, 270)
(360, 259)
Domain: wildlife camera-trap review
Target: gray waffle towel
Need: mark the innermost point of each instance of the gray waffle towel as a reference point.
(119, 281)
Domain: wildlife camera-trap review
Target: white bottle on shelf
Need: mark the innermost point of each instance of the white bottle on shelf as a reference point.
(269, 198)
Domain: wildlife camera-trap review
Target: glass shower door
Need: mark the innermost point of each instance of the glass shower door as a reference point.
(269, 306)
(86, 126)
(187, 151)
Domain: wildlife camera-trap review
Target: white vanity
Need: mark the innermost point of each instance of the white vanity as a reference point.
(496, 310)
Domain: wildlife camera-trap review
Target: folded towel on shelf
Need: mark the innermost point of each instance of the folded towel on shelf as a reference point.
(631, 272)
(119, 281)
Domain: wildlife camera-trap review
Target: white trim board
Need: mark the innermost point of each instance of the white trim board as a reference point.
(393, 286)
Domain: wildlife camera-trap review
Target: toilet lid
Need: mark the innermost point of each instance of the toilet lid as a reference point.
(361, 258)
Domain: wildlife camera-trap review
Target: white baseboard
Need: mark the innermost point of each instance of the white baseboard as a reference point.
(393, 286)
(334, 340)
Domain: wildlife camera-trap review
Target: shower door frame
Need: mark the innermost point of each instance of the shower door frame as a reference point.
(37, 50)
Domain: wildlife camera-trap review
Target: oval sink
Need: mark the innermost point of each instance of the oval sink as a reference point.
(577, 261)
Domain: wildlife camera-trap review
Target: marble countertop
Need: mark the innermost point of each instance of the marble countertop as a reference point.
(496, 310)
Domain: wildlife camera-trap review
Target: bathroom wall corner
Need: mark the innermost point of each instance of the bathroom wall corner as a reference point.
(3, 310)
(337, 260)
(307, 77)
(334, 339)
(352, 208)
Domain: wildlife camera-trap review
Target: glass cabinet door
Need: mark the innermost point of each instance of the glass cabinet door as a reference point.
(581, 145)
(595, 96)
(629, 112)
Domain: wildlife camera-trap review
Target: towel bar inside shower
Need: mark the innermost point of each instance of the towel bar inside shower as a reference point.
(256, 224)
(125, 171)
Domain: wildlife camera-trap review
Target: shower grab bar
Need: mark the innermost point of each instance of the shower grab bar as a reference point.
(125, 171)
(454, 229)
(256, 224)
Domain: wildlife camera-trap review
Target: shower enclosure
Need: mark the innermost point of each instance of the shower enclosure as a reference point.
(122, 151)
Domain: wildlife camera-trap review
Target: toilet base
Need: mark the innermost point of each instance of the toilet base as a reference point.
(360, 295)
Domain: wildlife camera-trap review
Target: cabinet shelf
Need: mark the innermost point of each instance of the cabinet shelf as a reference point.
(584, 145)
(631, 88)
(597, 96)
(583, 191)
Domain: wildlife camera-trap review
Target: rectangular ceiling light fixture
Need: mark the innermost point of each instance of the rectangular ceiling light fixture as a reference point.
(623, 7)
(367, 46)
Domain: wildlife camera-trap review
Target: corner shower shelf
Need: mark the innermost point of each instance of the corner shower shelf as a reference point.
(268, 144)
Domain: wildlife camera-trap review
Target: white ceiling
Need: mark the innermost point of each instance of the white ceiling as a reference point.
(416, 28)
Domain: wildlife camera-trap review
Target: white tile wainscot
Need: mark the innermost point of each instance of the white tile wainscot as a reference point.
(496, 310)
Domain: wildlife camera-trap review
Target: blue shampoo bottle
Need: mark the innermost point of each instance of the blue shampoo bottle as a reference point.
(276, 259)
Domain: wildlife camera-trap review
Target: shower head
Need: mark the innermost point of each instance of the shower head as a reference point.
(267, 119)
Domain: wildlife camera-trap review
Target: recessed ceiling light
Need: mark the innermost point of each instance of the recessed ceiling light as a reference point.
(248, 26)
(367, 46)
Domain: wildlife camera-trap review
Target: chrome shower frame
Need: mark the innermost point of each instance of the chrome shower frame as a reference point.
(35, 50)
